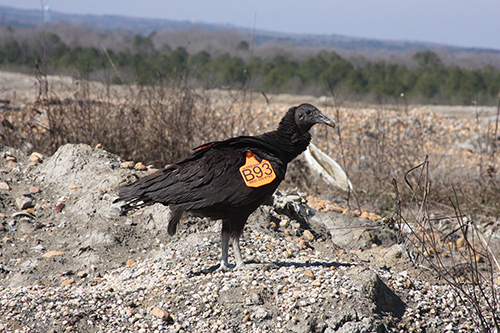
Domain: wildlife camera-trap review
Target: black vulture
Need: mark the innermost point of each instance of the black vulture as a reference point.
(228, 179)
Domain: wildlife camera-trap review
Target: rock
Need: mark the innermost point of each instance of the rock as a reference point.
(82, 274)
(36, 157)
(52, 253)
(140, 166)
(128, 164)
(39, 248)
(371, 216)
(152, 170)
(260, 314)
(365, 325)
(73, 186)
(4, 186)
(309, 274)
(316, 283)
(67, 282)
(308, 235)
(34, 190)
(25, 202)
(339, 318)
(157, 312)
(352, 233)
(130, 262)
(460, 242)
(384, 299)
(60, 207)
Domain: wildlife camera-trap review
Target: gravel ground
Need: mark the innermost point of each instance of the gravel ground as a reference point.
(162, 295)
(70, 263)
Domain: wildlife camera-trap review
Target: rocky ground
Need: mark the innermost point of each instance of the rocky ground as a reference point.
(70, 263)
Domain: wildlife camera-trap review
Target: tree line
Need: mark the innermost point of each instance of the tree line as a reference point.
(325, 73)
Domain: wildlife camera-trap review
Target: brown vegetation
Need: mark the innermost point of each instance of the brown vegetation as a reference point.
(159, 125)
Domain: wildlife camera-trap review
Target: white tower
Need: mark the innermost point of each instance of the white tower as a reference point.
(46, 14)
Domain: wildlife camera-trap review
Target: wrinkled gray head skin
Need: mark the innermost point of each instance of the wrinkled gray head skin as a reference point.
(307, 115)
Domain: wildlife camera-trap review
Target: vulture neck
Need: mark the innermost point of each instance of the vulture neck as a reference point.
(291, 139)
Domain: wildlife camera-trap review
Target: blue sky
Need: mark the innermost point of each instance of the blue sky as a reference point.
(454, 22)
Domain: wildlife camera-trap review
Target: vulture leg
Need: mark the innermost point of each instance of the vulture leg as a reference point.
(173, 219)
(229, 233)
(237, 252)
(225, 235)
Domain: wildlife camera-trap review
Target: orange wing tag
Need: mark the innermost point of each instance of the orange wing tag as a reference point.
(255, 173)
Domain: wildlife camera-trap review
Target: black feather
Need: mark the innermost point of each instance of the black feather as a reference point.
(209, 181)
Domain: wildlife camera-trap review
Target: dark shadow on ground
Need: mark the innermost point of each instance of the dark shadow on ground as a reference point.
(273, 265)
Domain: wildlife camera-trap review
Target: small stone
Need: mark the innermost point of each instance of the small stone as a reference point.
(59, 207)
(34, 189)
(460, 242)
(152, 170)
(82, 274)
(36, 157)
(162, 314)
(308, 235)
(130, 262)
(140, 166)
(316, 283)
(52, 253)
(11, 158)
(309, 274)
(12, 164)
(128, 165)
(4, 186)
(73, 186)
(67, 282)
(365, 215)
(246, 318)
(25, 202)
(284, 223)
(270, 247)
(39, 248)
(261, 314)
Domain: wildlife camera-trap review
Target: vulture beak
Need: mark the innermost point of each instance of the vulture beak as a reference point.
(322, 119)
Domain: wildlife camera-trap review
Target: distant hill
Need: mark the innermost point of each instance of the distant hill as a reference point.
(346, 46)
